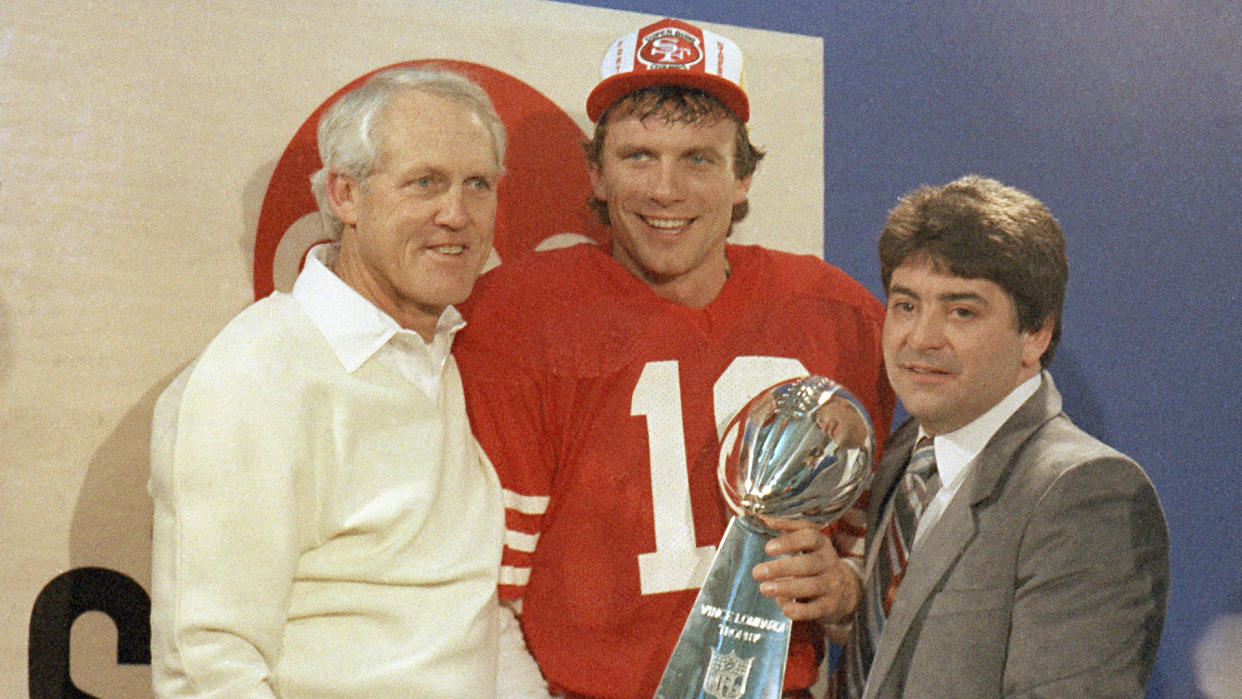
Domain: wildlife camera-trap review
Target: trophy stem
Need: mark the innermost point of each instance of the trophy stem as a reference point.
(735, 640)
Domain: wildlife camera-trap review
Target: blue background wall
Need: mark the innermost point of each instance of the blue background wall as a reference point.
(1125, 118)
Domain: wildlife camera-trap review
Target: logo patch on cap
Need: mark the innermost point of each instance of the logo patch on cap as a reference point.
(670, 47)
(699, 59)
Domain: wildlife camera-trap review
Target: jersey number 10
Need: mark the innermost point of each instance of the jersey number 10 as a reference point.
(678, 563)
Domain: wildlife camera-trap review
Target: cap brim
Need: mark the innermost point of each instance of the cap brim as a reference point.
(611, 89)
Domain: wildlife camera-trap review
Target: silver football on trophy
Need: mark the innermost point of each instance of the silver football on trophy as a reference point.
(801, 450)
(805, 451)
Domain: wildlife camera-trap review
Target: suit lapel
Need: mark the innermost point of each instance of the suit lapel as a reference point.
(942, 545)
(993, 462)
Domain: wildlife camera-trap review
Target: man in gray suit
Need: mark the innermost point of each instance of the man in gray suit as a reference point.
(1037, 555)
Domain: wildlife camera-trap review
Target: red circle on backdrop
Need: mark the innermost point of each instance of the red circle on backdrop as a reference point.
(543, 193)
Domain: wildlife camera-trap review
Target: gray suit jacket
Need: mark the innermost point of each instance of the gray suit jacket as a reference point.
(1047, 574)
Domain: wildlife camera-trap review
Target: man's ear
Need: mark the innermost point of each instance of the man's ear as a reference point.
(1037, 342)
(343, 193)
(741, 188)
(597, 181)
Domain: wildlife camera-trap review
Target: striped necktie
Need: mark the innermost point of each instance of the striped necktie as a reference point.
(918, 486)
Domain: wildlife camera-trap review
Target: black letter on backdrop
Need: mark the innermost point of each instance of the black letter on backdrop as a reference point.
(69, 596)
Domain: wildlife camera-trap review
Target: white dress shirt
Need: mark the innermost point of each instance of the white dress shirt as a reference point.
(956, 451)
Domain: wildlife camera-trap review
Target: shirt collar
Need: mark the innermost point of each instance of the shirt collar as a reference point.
(353, 326)
(956, 450)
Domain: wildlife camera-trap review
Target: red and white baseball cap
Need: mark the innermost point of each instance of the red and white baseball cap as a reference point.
(671, 52)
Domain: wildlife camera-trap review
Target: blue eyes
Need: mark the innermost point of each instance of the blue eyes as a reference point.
(695, 159)
(429, 182)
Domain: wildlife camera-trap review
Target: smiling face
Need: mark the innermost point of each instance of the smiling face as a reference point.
(670, 189)
(952, 347)
(419, 227)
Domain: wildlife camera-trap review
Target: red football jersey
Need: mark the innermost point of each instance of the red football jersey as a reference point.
(602, 407)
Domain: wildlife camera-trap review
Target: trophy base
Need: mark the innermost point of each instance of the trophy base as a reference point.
(736, 639)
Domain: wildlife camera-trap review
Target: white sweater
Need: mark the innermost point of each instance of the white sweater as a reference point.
(325, 524)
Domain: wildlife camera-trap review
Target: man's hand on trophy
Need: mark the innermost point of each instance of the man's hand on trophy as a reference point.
(811, 581)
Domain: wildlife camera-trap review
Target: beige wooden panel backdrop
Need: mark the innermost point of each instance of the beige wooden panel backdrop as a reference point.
(136, 143)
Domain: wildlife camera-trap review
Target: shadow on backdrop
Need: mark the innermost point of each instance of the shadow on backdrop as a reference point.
(97, 614)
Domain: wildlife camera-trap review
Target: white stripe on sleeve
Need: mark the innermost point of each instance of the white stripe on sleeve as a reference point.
(526, 504)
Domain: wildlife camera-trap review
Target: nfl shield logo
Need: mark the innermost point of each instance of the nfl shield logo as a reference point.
(726, 675)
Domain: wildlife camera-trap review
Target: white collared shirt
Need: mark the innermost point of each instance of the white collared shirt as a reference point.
(956, 451)
(357, 330)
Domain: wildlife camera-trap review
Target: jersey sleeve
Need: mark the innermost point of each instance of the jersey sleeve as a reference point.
(505, 400)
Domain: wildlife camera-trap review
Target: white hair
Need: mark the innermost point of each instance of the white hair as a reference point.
(351, 140)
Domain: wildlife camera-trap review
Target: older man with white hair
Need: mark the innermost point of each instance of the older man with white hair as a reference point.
(325, 524)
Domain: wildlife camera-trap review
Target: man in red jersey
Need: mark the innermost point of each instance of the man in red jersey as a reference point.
(599, 381)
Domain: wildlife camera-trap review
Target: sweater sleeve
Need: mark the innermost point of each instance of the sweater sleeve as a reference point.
(225, 542)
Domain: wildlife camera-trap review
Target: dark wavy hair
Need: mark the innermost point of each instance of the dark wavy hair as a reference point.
(979, 228)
